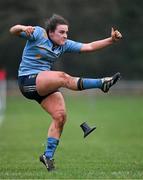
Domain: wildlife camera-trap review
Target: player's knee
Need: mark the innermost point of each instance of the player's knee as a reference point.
(60, 118)
(65, 78)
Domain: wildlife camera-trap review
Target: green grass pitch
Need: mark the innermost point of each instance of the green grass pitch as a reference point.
(113, 150)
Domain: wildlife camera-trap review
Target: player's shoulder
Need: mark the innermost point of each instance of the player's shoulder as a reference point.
(40, 31)
(72, 46)
(70, 42)
(39, 28)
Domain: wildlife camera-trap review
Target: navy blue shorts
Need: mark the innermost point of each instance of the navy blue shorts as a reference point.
(27, 86)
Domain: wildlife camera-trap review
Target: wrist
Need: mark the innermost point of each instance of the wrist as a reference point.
(112, 40)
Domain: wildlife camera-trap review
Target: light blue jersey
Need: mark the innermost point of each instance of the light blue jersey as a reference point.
(39, 53)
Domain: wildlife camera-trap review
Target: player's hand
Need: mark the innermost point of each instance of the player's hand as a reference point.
(28, 30)
(116, 35)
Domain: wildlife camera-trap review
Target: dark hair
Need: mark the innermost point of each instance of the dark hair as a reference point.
(53, 21)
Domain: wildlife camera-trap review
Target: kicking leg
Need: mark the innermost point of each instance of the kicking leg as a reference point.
(49, 81)
(109, 81)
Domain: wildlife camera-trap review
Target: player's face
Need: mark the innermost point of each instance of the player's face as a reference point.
(59, 36)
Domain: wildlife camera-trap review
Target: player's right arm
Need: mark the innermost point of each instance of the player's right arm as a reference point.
(17, 29)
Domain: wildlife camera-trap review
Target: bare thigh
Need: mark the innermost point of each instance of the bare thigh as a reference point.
(49, 81)
(54, 104)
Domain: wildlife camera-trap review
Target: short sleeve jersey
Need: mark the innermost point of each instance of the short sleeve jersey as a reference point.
(40, 54)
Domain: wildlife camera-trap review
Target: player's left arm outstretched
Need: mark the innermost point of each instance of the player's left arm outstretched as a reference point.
(95, 45)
